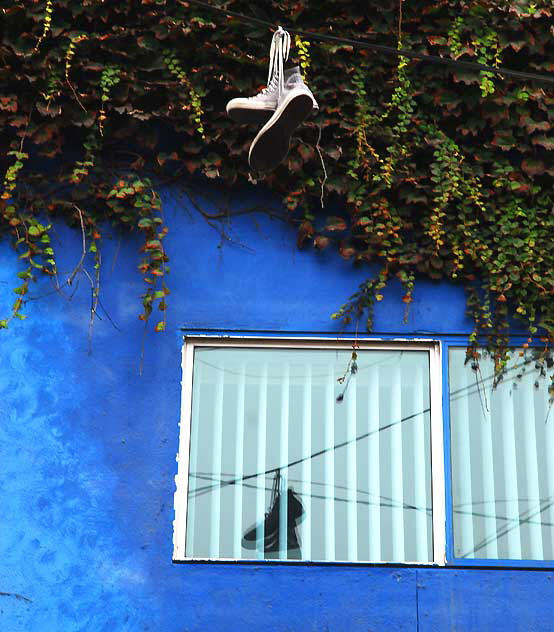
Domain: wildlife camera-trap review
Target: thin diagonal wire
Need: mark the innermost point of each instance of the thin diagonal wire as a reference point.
(391, 502)
(387, 50)
(502, 531)
(202, 490)
(209, 477)
(460, 392)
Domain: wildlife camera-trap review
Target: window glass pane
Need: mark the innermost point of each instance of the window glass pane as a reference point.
(279, 469)
(502, 461)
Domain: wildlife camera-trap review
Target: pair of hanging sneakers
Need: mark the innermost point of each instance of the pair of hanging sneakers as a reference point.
(280, 108)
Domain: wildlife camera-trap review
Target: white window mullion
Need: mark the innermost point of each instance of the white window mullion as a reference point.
(437, 456)
(190, 447)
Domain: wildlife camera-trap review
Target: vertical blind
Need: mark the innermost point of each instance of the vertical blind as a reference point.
(287, 462)
(502, 461)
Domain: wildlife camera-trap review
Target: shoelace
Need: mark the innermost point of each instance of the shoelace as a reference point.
(278, 55)
(274, 492)
(270, 87)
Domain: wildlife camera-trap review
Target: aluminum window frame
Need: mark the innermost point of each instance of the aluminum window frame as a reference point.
(437, 451)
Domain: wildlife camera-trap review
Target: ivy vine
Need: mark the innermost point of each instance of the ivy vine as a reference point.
(441, 173)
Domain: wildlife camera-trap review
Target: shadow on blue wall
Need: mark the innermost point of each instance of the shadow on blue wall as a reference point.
(88, 450)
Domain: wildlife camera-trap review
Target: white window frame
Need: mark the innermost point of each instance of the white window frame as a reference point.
(433, 347)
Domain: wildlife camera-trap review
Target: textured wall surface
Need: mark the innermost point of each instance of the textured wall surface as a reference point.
(87, 452)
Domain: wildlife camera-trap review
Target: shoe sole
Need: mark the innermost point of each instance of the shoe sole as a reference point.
(245, 116)
(253, 543)
(271, 145)
(271, 545)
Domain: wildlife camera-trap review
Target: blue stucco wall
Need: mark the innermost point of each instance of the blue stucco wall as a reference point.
(87, 451)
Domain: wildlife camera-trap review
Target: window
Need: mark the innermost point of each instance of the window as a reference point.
(281, 459)
(502, 459)
(290, 451)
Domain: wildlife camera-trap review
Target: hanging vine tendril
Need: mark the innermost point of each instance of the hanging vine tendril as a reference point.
(438, 173)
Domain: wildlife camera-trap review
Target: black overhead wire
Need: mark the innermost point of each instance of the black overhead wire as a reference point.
(210, 476)
(524, 517)
(221, 483)
(198, 491)
(382, 48)
(392, 504)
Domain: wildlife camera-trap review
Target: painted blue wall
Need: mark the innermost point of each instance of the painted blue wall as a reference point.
(87, 450)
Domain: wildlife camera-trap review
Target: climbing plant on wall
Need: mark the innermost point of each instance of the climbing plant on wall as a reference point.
(439, 172)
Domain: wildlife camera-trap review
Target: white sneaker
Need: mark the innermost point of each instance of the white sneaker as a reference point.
(271, 144)
(259, 108)
(256, 109)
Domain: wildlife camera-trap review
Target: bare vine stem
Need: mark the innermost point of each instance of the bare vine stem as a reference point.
(84, 250)
(324, 180)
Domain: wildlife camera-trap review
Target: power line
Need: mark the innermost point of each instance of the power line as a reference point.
(391, 504)
(502, 531)
(382, 48)
(207, 488)
(470, 389)
(396, 356)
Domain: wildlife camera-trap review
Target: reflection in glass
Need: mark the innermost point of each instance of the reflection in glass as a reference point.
(269, 530)
(502, 461)
(288, 463)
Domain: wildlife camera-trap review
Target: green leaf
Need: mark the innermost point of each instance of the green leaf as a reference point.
(544, 141)
(335, 224)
